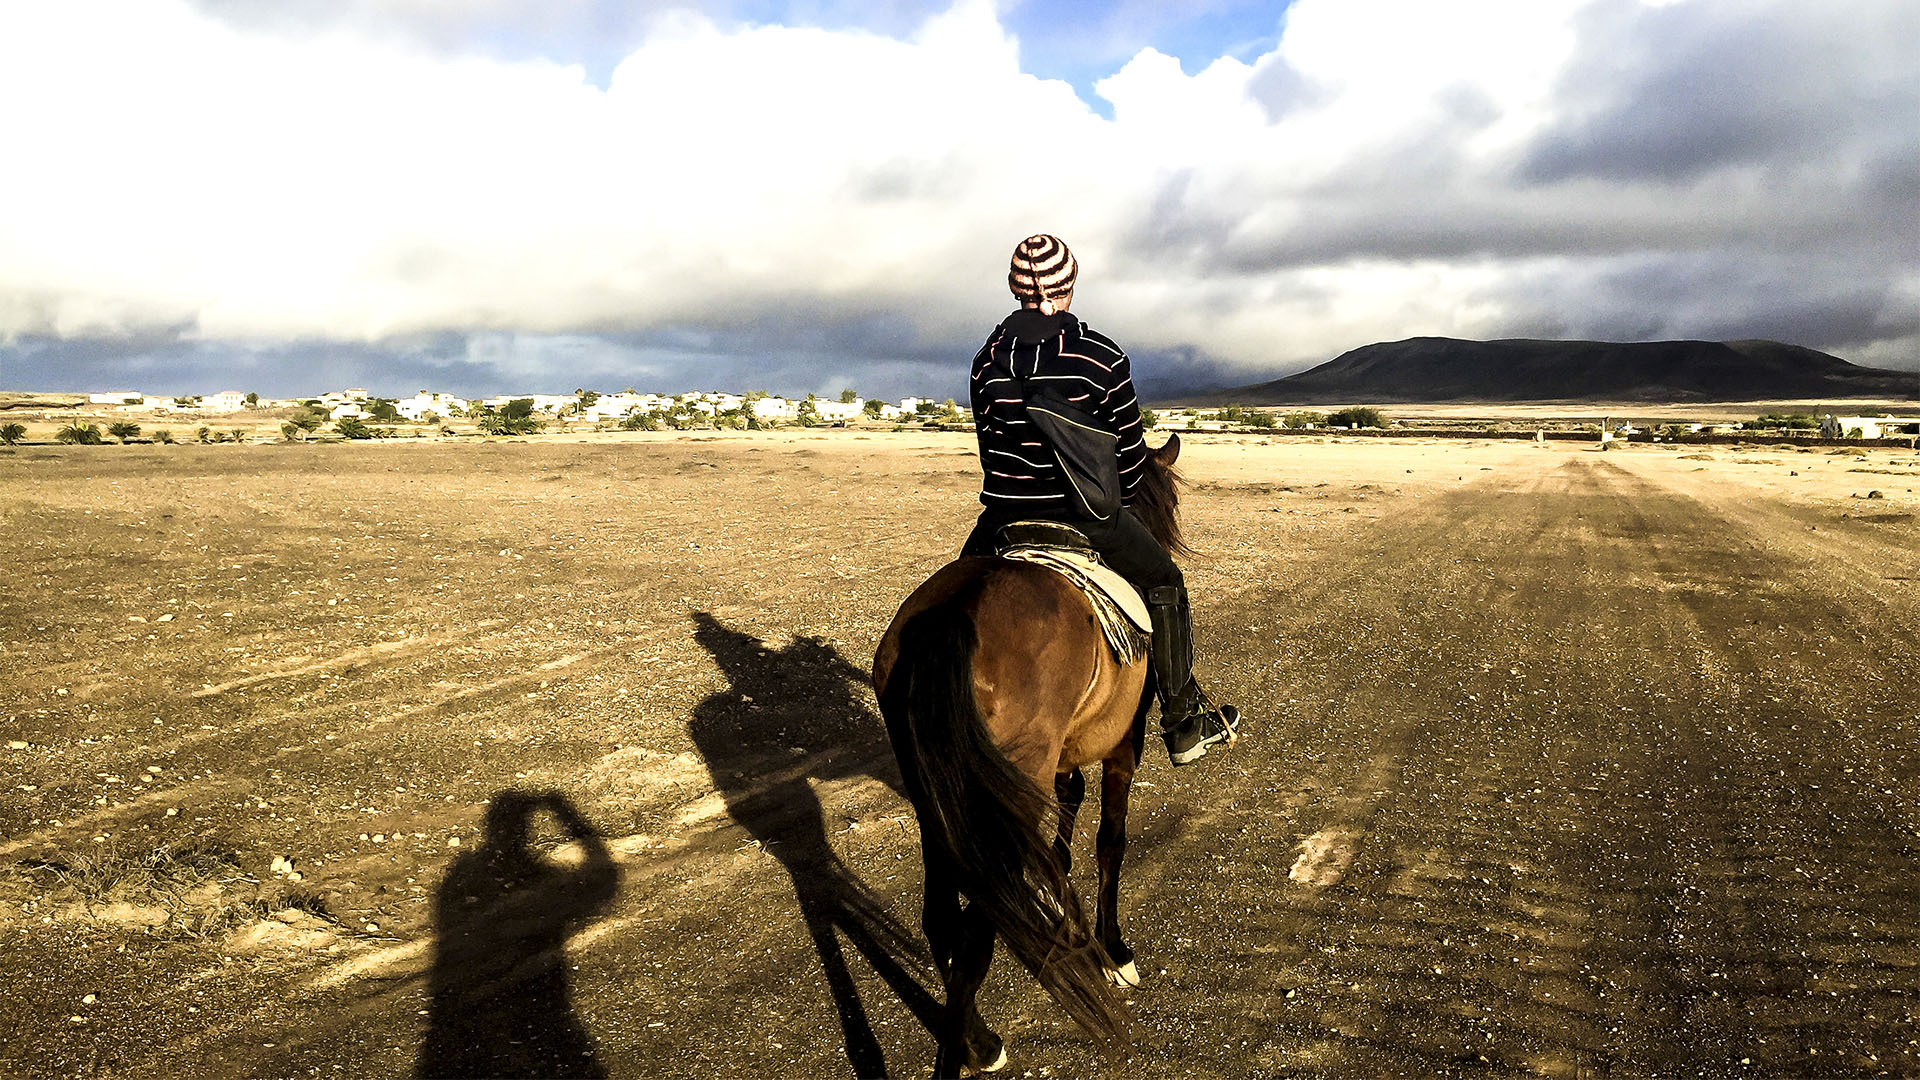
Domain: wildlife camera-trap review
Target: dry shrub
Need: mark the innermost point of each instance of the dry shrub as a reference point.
(117, 871)
(198, 884)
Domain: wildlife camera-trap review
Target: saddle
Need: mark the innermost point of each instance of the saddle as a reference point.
(1065, 550)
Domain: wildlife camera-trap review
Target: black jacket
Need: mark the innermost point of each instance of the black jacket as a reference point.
(1057, 418)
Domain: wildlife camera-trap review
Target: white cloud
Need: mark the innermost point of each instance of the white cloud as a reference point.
(1431, 169)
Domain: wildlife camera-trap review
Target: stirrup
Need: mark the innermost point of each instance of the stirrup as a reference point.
(1188, 738)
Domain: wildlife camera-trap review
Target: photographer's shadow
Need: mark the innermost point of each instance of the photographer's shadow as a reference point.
(789, 717)
(501, 1001)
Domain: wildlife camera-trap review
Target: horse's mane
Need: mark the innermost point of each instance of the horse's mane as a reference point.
(1156, 503)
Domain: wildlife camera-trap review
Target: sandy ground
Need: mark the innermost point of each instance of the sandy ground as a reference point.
(1562, 762)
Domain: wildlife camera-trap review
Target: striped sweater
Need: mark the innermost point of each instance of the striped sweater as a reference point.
(1021, 471)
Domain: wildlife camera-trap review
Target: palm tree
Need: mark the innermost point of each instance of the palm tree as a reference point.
(124, 430)
(78, 433)
(12, 433)
(308, 419)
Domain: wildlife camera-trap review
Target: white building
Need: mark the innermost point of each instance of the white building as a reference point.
(713, 402)
(835, 412)
(420, 404)
(333, 399)
(609, 407)
(1866, 427)
(115, 397)
(226, 401)
(775, 408)
(615, 406)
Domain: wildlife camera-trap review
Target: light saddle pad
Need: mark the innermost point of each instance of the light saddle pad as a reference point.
(1122, 613)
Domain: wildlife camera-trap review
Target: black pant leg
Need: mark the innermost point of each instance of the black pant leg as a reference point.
(1131, 550)
(980, 540)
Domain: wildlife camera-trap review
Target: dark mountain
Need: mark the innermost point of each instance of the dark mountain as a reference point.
(1429, 369)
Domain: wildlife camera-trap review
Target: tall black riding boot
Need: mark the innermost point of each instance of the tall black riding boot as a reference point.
(1187, 724)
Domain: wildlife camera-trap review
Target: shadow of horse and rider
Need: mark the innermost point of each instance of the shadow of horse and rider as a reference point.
(501, 1002)
(806, 696)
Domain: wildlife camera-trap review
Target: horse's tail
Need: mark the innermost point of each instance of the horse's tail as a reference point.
(989, 817)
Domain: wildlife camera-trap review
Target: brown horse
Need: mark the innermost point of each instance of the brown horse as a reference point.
(998, 687)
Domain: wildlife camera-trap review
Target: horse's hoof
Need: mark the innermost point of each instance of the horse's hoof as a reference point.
(1124, 975)
(998, 1064)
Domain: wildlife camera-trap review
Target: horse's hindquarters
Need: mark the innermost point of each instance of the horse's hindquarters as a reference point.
(988, 674)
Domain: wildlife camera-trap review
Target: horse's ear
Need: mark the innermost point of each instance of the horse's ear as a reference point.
(1169, 451)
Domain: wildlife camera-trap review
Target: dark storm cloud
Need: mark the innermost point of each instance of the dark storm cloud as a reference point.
(469, 365)
(1705, 297)
(802, 349)
(1161, 375)
(1673, 92)
(887, 356)
(1415, 196)
(789, 352)
(175, 366)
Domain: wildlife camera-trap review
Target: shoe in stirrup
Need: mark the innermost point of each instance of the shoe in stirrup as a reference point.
(1189, 732)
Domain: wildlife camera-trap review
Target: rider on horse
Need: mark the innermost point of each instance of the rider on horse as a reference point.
(1061, 440)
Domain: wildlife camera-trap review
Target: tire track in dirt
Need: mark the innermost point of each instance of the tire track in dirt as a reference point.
(1796, 722)
(392, 663)
(229, 782)
(1595, 823)
(1576, 860)
(345, 660)
(1310, 789)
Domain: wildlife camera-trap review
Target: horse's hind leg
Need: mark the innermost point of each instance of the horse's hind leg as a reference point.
(1071, 790)
(967, 1045)
(1116, 783)
(939, 906)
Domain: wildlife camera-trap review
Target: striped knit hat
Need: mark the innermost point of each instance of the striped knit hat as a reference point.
(1043, 269)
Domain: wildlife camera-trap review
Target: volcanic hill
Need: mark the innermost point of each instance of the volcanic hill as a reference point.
(1434, 369)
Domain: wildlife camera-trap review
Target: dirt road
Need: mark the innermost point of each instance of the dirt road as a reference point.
(1563, 762)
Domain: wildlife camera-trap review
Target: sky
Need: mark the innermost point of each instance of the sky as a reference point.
(804, 196)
